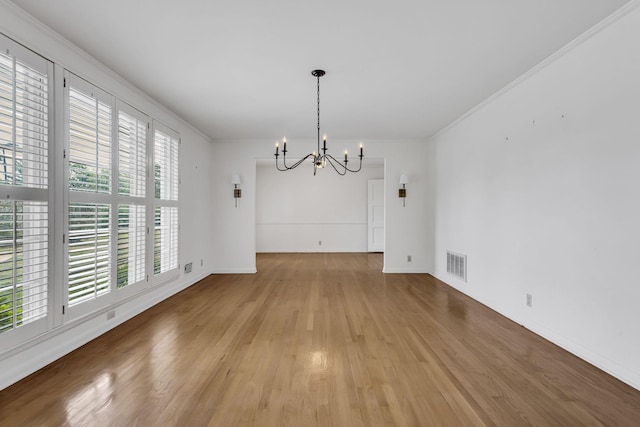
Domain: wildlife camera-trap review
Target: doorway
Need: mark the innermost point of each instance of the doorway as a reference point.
(375, 222)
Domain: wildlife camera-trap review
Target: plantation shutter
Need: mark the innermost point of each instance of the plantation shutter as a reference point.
(132, 174)
(24, 212)
(132, 150)
(166, 150)
(90, 203)
(166, 163)
(89, 143)
(165, 253)
(23, 124)
(89, 251)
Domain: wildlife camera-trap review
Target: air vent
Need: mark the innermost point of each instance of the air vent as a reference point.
(457, 265)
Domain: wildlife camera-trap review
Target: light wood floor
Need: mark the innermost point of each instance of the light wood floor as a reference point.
(319, 339)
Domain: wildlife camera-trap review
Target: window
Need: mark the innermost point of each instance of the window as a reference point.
(165, 256)
(89, 251)
(24, 182)
(131, 244)
(132, 182)
(115, 198)
(132, 148)
(89, 142)
(90, 202)
(113, 201)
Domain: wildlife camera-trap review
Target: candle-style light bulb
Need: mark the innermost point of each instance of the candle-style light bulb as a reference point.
(361, 149)
(345, 155)
(277, 147)
(324, 142)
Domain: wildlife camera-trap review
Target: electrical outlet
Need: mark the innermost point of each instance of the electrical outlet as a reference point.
(529, 300)
(408, 258)
(111, 314)
(187, 267)
(319, 242)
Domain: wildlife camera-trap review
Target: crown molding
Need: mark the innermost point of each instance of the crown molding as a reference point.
(17, 22)
(597, 28)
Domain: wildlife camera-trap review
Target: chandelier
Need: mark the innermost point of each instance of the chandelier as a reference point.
(320, 161)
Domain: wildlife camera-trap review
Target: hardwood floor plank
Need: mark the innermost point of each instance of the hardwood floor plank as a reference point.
(323, 340)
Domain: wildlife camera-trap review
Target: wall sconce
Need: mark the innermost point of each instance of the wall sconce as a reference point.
(237, 193)
(402, 192)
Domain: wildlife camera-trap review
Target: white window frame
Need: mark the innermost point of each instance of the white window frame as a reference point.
(58, 197)
(113, 199)
(27, 331)
(133, 288)
(174, 273)
(80, 309)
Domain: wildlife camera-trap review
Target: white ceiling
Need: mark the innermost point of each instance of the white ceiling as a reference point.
(395, 69)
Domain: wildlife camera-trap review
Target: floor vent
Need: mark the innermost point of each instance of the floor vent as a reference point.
(457, 265)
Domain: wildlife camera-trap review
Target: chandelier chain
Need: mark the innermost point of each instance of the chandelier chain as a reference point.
(318, 103)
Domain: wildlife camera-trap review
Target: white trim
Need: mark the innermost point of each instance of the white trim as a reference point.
(19, 26)
(58, 199)
(84, 308)
(309, 223)
(66, 59)
(605, 23)
(59, 342)
(42, 193)
(88, 88)
(406, 270)
(144, 201)
(162, 278)
(235, 271)
(132, 111)
(320, 251)
(26, 56)
(620, 372)
(609, 366)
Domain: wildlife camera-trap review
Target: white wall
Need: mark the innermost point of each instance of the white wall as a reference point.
(540, 188)
(296, 210)
(408, 231)
(195, 203)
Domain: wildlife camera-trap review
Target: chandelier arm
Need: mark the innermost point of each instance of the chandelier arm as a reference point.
(333, 162)
(299, 162)
(284, 161)
(295, 165)
(286, 168)
(278, 166)
(355, 170)
(346, 169)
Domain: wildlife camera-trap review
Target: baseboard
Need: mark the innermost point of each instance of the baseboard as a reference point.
(603, 363)
(235, 271)
(312, 251)
(57, 343)
(607, 365)
(405, 270)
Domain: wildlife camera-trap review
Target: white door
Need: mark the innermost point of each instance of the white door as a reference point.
(376, 215)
